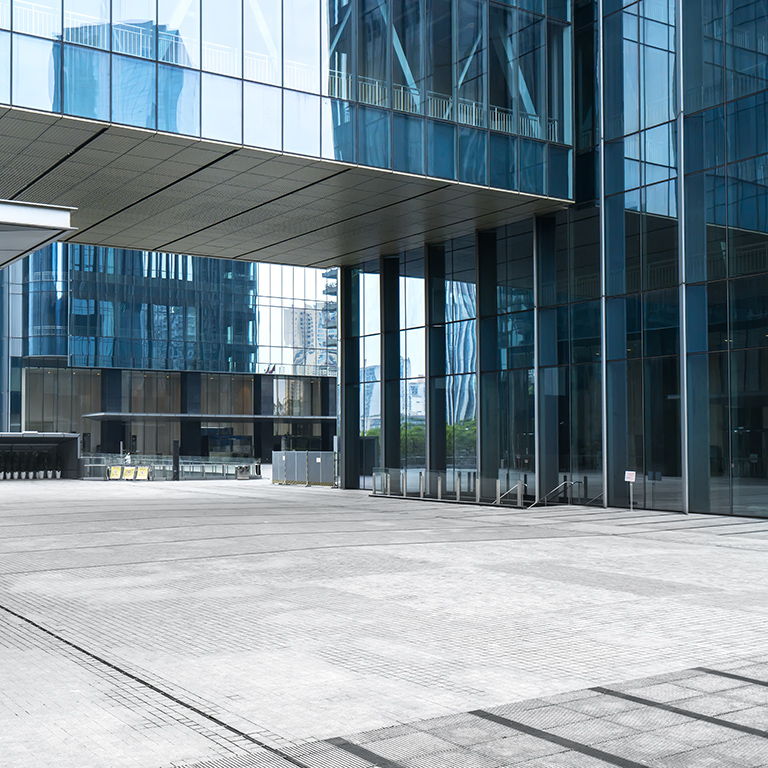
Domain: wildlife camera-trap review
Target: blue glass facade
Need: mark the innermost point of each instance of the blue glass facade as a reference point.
(456, 89)
(625, 333)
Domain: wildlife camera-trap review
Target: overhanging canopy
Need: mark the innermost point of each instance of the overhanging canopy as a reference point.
(26, 227)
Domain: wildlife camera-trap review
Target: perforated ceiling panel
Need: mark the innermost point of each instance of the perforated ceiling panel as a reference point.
(139, 189)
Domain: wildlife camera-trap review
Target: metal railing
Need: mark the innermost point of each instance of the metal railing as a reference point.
(97, 465)
(566, 485)
(373, 92)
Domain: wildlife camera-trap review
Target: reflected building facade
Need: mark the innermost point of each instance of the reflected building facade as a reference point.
(142, 348)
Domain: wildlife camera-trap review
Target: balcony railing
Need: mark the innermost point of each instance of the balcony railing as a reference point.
(406, 99)
(470, 113)
(530, 126)
(439, 105)
(261, 68)
(133, 39)
(36, 19)
(502, 119)
(340, 85)
(86, 30)
(373, 92)
(221, 59)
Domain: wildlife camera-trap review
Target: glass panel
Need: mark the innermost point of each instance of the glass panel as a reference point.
(222, 35)
(133, 27)
(531, 49)
(559, 79)
(86, 22)
(374, 137)
(373, 53)
(439, 55)
(301, 123)
(263, 116)
(178, 32)
(472, 41)
(703, 77)
(408, 144)
(222, 108)
(5, 68)
(133, 92)
(473, 153)
(408, 46)
(501, 72)
(441, 150)
(178, 108)
(749, 312)
(263, 36)
(749, 430)
(5, 14)
(661, 323)
(503, 161)
(586, 432)
(301, 45)
(42, 18)
(86, 83)
(746, 53)
(533, 167)
(338, 48)
(560, 172)
(461, 423)
(35, 73)
(338, 130)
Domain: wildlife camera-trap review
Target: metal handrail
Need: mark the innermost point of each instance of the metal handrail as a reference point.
(564, 484)
(595, 499)
(513, 488)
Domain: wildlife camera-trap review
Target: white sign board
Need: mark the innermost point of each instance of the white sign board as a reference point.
(629, 476)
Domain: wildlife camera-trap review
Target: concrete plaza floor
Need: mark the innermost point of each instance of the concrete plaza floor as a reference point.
(230, 624)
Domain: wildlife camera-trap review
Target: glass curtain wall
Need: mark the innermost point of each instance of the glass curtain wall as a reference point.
(467, 90)
(642, 276)
(726, 255)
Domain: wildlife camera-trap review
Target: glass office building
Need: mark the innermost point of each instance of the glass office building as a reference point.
(550, 219)
(144, 348)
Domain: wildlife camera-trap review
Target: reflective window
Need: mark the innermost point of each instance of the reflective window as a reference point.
(441, 150)
(42, 19)
(473, 152)
(86, 82)
(301, 45)
(374, 137)
(407, 50)
(503, 161)
(222, 108)
(262, 116)
(530, 37)
(222, 34)
(502, 86)
(559, 78)
(263, 40)
(134, 27)
(338, 27)
(533, 167)
(373, 53)
(86, 22)
(560, 172)
(749, 312)
(439, 55)
(178, 107)
(133, 91)
(5, 68)
(472, 39)
(35, 70)
(301, 123)
(338, 130)
(5, 14)
(408, 141)
(178, 32)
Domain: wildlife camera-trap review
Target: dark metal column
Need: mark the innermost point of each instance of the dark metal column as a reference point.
(349, 379)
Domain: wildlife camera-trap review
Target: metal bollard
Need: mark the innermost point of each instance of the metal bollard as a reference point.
(421, 485)
(439, 487)
(477, 488)
(519, 493)
(458, 487)
(498, 490)
(402, 480)
(389, 486)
